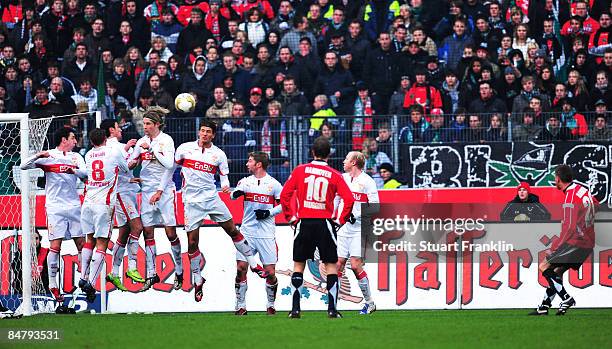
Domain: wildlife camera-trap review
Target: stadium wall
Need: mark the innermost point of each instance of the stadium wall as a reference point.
(400, 280)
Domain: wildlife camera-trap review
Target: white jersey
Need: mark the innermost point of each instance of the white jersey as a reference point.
(103, 165)
(60, 187)
(157, 162)
(199, 168)
(260, 194)
(123, 183)
(364, 190)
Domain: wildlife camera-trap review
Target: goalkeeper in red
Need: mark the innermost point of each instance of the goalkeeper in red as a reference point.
(200, 161)
(315, 185)
(575, 244)
(261, 192)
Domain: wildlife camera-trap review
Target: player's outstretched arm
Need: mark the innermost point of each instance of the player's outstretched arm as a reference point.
(31, 162)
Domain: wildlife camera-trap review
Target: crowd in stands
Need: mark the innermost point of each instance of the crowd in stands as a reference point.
(454, 70)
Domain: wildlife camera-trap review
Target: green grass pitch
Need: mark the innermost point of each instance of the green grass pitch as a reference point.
(580, 328)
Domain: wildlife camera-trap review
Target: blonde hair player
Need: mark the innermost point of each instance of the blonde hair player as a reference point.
(365, 194)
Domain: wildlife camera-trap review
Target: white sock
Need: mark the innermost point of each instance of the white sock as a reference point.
(97, 262)
(197, 263)
(364, 285)
(241, 288)
(118, 252)
(175, 246)
(243, 247)
(151, 252)
(132, 249)
(86, 254)
(271, 293)
(53, 266)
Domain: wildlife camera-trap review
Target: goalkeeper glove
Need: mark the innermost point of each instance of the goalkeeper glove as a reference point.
(262, 214)
(237, 193)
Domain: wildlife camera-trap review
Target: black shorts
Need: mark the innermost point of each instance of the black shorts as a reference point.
(569, 256)
(313, 233)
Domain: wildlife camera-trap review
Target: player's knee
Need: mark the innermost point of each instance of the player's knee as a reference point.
(356, 264)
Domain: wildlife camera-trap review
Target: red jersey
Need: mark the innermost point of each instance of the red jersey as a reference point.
(578, 224)
(316, 185)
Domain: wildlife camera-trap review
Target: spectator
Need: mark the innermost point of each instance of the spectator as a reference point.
(396, 102)
(525, 206)
(199, 80)
(136, 18)
(496, 131)
(384, 140)
(413, 131)
(363, 110)
(577, 90)
(387, 174)
(154, 12)
(322, 113)
(237, 140)
(452, 46)
(554, 131)
(425, 42)
(221, 108)
(573, 120)
(161, 97)
(216, 23)
(358, 46)
(338, 148)
(549, 41)
(413, 58)
(527, 131)
(311, 66)
(255, 26)
(336, 83)
(529, 90)
(287, 66)
(601, 91)
(588, 24)
(600, 130)
(488, 101)
(80, 67)
(300, 30)
(423, 94)
(275, 142)
(599, 42)
(58, 94)
(436, 132)
(195, 33)
(444, 27)
(380, 72)
(452, 96)
(475, 131)
(114, 101)
(263, 6)
(167, 29)
(242, 79)
(374, 159)
(41, 106)
(87, 96)
(144, 101)
(284, 19)
(293, 102)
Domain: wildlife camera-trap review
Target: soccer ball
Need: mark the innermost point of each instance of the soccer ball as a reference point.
(185, 102)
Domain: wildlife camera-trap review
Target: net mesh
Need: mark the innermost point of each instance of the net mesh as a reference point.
(11, 289)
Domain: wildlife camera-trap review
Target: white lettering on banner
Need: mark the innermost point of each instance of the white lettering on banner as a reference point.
(427, 281)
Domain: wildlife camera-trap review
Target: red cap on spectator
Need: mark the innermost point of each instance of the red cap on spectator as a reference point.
(437, 111)
(525, 186)
(256, 90)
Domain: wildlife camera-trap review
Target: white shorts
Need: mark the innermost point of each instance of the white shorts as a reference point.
(196, 212)
(126, 208)
(265, 247)
(97, 220)
(64, 223)
(162, 212)
(349, 246)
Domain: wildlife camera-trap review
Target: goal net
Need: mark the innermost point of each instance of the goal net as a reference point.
(23, 273)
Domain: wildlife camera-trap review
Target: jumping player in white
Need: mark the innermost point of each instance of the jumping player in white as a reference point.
(261, 193)
(200, 161)
(103, 164)
(126, 210)
(63, 204)
(155, 151)
(364, 192)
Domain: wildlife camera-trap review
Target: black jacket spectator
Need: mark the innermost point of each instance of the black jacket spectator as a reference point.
(529, 209)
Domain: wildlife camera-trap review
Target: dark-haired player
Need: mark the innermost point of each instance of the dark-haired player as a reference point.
(62, 204)
(316, 185)
(261, 192)
(200, 161)
(102, 164)
(575, 243)
(126, 209)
